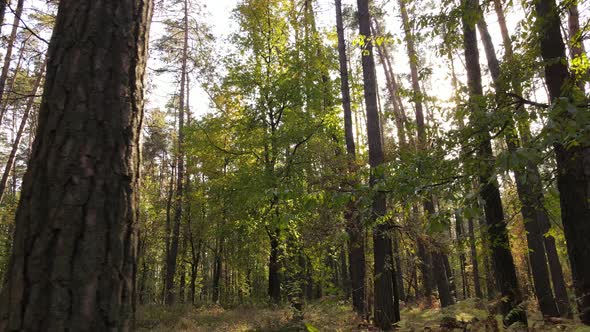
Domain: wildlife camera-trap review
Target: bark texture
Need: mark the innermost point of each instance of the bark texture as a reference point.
(73, 264)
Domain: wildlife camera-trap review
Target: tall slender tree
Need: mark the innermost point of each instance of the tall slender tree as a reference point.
(385, 312)
(529, 188)
(171, 259)
(504, 268)
(438, 268)
(534, 179)
(355, 228)
(9, 49)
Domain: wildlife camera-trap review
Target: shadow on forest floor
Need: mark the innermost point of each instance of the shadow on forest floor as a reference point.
(323, 316)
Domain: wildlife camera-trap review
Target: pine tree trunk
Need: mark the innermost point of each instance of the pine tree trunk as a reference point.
(356, 249)
(73, 263)
(532, 203)
(573, 162)
(10, 46)
(504, 268)
(383, 271)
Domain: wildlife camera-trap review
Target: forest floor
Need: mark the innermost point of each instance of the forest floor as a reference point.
(329, 315)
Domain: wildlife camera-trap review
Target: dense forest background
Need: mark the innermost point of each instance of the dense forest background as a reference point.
(381, 157)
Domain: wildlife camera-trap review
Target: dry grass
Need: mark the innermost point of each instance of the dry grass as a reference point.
(328, 315)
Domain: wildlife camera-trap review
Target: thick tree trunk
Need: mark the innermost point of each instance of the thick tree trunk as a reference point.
(174, 241)
(385, 313)
(73, 263)
(526, 180)
(21, 129)
(573, 170)
(505, 271)
(356, 249)
(9, 47)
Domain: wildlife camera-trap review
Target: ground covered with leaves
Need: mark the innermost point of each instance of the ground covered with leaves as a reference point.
(330, 316)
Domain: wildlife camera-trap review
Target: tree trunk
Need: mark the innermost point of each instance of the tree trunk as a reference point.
(73, 263)
(173, 252)
(536, 186)
(577, 49)
(385, 313)
(217, 272)
(356, 249)
(10, 88)
(274, 281)
(3, 4)
(21, 129)
(462, 258)
(573, 170)
(474, 263)
(9, 47)
(429, 209)
(505, 271)
(526, 180)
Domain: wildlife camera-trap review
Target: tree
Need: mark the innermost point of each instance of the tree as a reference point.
(8, 55)
(529, 188)
(74, 250)
(385, 312)
(438, 258)
(356, 251)
(504, 269)
(178, 198)
(572, 153)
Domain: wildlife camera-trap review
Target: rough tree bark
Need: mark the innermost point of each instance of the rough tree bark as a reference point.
(385, 313)
(573, 161)
(73, 263)
(504, 269)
